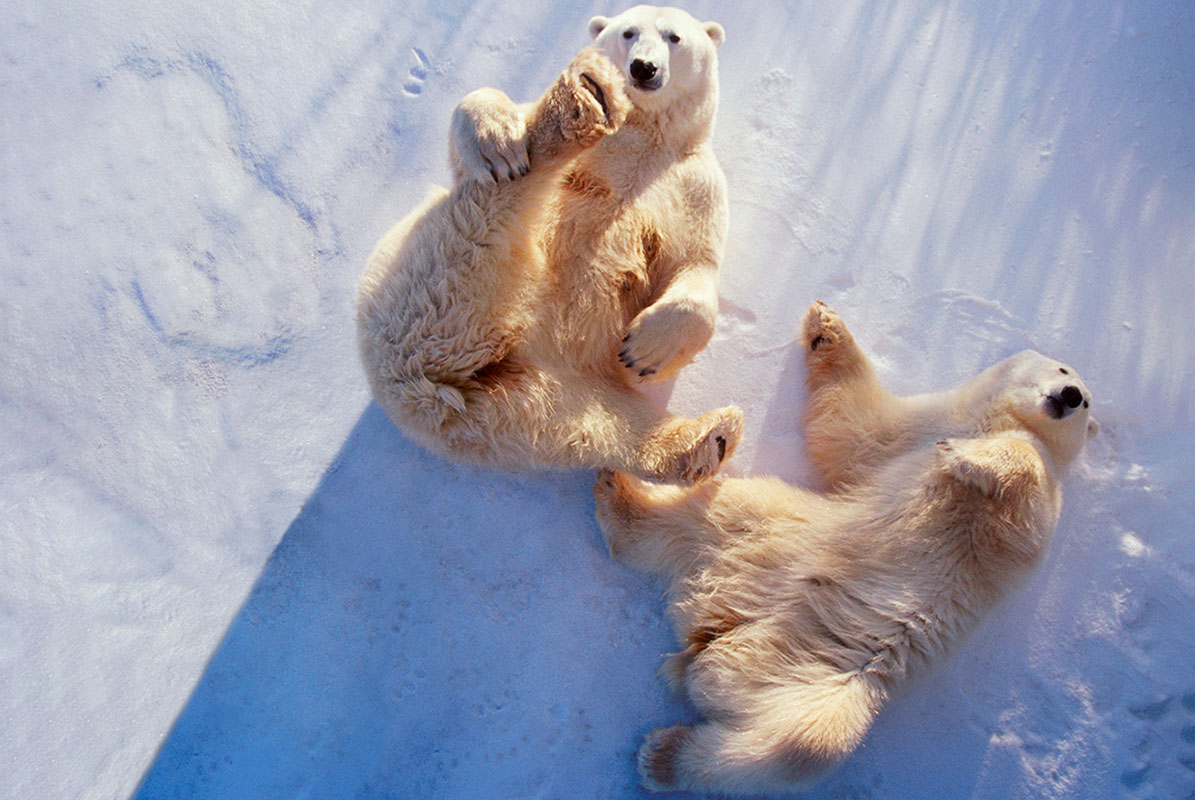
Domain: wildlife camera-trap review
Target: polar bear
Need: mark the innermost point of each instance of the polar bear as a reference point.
(508, 320)
(801, 613)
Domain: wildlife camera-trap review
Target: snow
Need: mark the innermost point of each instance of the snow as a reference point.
(225, 574)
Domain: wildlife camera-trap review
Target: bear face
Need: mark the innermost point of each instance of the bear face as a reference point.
(664, 52)
(1043, 396)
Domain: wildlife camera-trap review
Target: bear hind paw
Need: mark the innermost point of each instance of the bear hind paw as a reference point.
(717, 435)
(659, 755)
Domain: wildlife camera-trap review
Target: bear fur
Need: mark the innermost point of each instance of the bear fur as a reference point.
(801, 613)
(507, 321)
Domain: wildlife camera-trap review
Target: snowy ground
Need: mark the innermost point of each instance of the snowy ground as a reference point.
(223, 574)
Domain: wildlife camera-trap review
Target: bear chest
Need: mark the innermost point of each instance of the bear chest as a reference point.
(603, 237)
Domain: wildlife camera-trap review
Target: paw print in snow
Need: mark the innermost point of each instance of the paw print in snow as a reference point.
(1187, 755)
(418, 74)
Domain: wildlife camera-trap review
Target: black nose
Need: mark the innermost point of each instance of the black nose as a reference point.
(642, 70)
(1071, 396)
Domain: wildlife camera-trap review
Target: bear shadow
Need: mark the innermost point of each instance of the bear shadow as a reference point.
(427, 629)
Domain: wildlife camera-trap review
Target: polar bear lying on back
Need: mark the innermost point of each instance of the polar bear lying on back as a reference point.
(802, 613)
(507, 321)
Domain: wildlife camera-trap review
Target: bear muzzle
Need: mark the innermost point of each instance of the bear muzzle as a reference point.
(645, 75)
(1061, 403)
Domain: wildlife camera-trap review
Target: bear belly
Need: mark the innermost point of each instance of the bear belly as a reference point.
(602, 257)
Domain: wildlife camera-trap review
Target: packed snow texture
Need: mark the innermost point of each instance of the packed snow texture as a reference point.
(223, 573)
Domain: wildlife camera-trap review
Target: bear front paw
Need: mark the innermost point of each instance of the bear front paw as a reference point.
(615, 510)
(829, 346)
(489, 137)
(587, 102)
(605, 489)
(823, 329)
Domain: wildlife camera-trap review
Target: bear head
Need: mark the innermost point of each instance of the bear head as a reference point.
(1040, 395)
(665, 54)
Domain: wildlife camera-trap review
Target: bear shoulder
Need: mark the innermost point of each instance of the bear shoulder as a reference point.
(1009, 500)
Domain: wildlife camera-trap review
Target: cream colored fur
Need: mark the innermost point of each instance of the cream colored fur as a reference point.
(508, 320)
(801, 613)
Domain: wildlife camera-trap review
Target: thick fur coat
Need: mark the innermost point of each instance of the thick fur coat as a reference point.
(508, 320)
(801, 613)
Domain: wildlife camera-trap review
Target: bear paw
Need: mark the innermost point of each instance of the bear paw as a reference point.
(489, 137)
(606, 491)
(826, 339)
(659, 755)
(613, 509)
(822, 329)
(587, 102)
(663, 338)
(712, 438)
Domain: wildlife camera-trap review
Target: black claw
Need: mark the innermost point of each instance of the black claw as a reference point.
(721, 440)
(646, 372)
(622, 353)
(816, 341)
(626, 338)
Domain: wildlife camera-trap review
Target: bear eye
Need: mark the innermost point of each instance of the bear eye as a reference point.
(672, 37)
(628, 34)
(1063, 370)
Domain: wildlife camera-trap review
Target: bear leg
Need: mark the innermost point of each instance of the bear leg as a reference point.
(517, 415)
(790, 740)
(652, 527)
(850, 419)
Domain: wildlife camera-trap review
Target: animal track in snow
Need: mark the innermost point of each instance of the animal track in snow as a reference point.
(1187, 734)
(1145, 775)
(413, 86)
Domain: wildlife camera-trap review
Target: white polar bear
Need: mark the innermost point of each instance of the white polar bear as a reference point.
(507, 321)
(802, 613)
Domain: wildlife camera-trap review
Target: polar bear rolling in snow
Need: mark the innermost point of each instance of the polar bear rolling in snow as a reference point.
(802, 613)
(508, 320)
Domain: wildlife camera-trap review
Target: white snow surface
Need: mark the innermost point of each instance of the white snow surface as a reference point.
(224, 574)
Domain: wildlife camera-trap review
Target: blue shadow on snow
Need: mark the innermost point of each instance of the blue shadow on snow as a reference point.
(428, 630)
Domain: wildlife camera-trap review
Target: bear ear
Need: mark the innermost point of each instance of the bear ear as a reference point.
(597, 25)
(1093, 427)
(716, 33)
